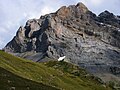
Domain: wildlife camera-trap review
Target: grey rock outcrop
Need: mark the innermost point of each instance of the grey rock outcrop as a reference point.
(90, 41)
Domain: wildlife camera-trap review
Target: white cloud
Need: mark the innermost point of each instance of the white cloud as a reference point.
(2, 43)
(46, 10)
(96, 2)
(93, 2)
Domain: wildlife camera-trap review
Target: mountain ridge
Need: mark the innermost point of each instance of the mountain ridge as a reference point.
(86, 39)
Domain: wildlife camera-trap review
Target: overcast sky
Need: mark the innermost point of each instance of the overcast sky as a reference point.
(14, 13)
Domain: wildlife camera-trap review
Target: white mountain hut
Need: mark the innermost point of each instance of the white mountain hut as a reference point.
(61, 58)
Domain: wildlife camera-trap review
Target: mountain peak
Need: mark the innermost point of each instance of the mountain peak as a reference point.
(82, 7)
(106, 14)
(71, 10)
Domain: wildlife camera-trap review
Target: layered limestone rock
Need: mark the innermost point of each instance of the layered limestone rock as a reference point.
(90, 41)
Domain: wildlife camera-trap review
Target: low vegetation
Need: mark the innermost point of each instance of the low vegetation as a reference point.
(22, 74)
(10, 81)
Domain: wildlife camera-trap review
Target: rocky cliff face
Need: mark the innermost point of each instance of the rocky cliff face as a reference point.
(90, 41)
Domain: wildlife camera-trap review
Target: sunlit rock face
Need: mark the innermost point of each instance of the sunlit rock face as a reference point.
(90, 41)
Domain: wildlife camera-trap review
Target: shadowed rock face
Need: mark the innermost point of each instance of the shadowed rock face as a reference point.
(90, 41)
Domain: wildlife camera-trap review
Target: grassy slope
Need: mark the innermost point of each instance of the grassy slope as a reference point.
(10, 81)
(47, 74)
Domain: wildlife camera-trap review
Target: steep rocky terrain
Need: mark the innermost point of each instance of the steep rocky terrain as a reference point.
(87, 40)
